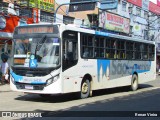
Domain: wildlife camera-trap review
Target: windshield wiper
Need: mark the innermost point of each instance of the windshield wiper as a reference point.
(40, 43)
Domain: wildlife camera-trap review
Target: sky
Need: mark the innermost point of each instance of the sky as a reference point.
(66, 1)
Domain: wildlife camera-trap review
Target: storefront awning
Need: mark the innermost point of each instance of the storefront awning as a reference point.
(5, 35)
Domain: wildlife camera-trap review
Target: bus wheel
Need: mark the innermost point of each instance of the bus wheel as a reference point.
(134, 82)
(85, 89)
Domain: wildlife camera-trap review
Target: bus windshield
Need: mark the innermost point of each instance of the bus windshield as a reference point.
(42, 51)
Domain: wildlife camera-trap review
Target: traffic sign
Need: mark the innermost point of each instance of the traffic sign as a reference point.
(81, 6)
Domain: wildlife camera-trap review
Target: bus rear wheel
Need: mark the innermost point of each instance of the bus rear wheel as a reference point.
(134, 82)
(85, 89)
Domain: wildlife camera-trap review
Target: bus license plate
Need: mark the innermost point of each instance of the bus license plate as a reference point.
(29, 87)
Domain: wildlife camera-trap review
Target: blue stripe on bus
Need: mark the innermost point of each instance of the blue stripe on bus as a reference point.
(101, 33)
(17, 78)
(102, 64)
(103, 68)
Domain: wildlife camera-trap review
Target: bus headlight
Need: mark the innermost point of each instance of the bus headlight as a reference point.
(12, 79)
(51, 80)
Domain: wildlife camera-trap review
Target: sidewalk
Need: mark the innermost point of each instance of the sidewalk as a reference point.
(5, 88)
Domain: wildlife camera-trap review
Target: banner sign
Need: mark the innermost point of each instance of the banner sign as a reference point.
(114, 22)
(158, 2)
(136, 2)
(154, 8)
(46, 5)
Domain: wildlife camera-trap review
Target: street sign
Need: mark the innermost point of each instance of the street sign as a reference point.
(81, 6)
(108, 4)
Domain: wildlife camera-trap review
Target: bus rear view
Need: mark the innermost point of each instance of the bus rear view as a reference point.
(36, 59)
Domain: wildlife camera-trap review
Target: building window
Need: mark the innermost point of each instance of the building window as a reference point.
(130, 9)
(124, 4)
(146, 34)
(3, 7)
(130, 30)
(158, 21)
(145, 14)
(138, 11)
(26, 12)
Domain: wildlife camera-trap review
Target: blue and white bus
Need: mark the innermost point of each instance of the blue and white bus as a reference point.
(57, 59)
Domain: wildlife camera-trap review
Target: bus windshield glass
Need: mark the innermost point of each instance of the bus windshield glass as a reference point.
(44, 54)
(37, 51)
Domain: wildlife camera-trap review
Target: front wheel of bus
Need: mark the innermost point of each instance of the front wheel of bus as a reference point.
(85, 89)
(134, 83)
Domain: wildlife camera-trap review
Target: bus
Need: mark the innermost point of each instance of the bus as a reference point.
(58, 59)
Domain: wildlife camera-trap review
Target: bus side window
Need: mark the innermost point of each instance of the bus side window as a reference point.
(107, 55)
(115, 56)
(85, 53)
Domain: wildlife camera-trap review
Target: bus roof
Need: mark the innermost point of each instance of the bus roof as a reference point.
(73, 27)
(90, 31)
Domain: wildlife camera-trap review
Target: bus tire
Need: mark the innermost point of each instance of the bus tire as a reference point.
(85, 89)
(134, 82)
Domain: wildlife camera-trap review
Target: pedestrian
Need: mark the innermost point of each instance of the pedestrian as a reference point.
(4, 70)
(4, 54)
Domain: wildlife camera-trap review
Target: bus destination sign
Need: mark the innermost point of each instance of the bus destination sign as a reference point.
(30, 30)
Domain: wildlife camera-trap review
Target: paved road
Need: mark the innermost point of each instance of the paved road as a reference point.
(119, 99)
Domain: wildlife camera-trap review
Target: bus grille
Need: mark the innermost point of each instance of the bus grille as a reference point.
(35, 87)
(23, 72)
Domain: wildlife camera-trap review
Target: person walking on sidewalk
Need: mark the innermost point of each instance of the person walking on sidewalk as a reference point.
(4, 70)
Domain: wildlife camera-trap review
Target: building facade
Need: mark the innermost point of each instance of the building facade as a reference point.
(140, 17)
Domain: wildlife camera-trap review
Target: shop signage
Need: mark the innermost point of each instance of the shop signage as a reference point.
(2, 22)
(158, 3)
(46, 5)
(114, 22)
(154, 8)
(136, 2)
